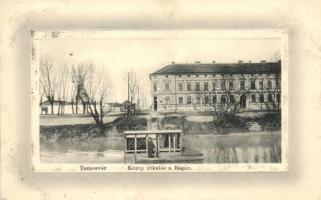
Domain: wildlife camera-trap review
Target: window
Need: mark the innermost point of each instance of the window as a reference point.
(261, 85)
(155, 87)
(206, 99)
(198, 99)
(253, 85)
(223, 99)
(277, 83)
(167, 100)
(180, 100)
(167, 86)
(269, 83)
(214, 85)
(261, 98)
(232, 99)
(189, 86)
(270, 99)
(223, 85)
(197, 86)
(242, 85)
(180, 86)
(214, 99)
(243, 101)
(189, 99)
(278, 97)
(206, 86)
(231, 85)
(253, 98)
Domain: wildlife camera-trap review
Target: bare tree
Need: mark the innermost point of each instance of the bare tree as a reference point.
(79, 75)
(97, 88)
(62, 86)
(273, 101)
(143, 93)
(232, 100)
(92, 87)
(132, 92)
(48, 80)
(72, 93)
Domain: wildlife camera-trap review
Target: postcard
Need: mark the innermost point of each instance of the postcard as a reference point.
(159, 100)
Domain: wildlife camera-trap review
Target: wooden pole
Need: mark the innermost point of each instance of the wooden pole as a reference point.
(135, 141)
(175, 96)
(157, 144)
(169, 142)
(146, 143)
(128, 107)
(138, 102)
(174, 142)
(180, 142)
(125, 148)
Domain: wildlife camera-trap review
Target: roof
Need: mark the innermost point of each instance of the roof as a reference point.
(142, 132)
(228, 68)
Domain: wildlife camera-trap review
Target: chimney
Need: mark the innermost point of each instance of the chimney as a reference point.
(263, 61)
(250, 61)
(173, 62)
(240, 61)
(198, 62)
(213, 61)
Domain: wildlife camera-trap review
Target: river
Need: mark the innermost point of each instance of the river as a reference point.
(256, 147)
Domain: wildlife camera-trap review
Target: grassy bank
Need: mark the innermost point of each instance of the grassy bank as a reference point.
(237, 124)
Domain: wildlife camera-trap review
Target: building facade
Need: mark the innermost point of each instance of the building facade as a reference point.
(201, 87)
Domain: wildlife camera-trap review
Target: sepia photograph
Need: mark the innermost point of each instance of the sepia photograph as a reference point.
(200, 99)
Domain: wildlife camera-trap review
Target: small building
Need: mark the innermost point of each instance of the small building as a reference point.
(114, 107)
(67, 108)
(198, 86)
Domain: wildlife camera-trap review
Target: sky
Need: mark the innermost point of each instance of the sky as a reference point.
(145, 56)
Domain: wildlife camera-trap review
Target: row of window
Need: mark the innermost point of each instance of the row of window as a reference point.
(213, 75)
(215, 85)
(206, 99)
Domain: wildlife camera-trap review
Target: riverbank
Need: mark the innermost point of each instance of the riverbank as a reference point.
(247, 138)
(201, 123)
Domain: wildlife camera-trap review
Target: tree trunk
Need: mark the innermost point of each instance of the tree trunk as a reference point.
(72, 106)
(52, 105)
(59, 106)
(77, 99)
(63, 107)
(84, 107)
(131, 115)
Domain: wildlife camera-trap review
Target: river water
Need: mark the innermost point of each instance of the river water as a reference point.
(257, 147)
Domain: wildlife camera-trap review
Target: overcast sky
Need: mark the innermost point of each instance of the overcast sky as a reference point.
(148, 55)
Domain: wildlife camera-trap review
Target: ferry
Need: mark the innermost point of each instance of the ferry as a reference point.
(158, 146)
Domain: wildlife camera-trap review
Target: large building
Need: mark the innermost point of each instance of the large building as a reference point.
(198, 86)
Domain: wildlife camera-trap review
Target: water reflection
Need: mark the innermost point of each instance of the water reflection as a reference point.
(263, 147)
